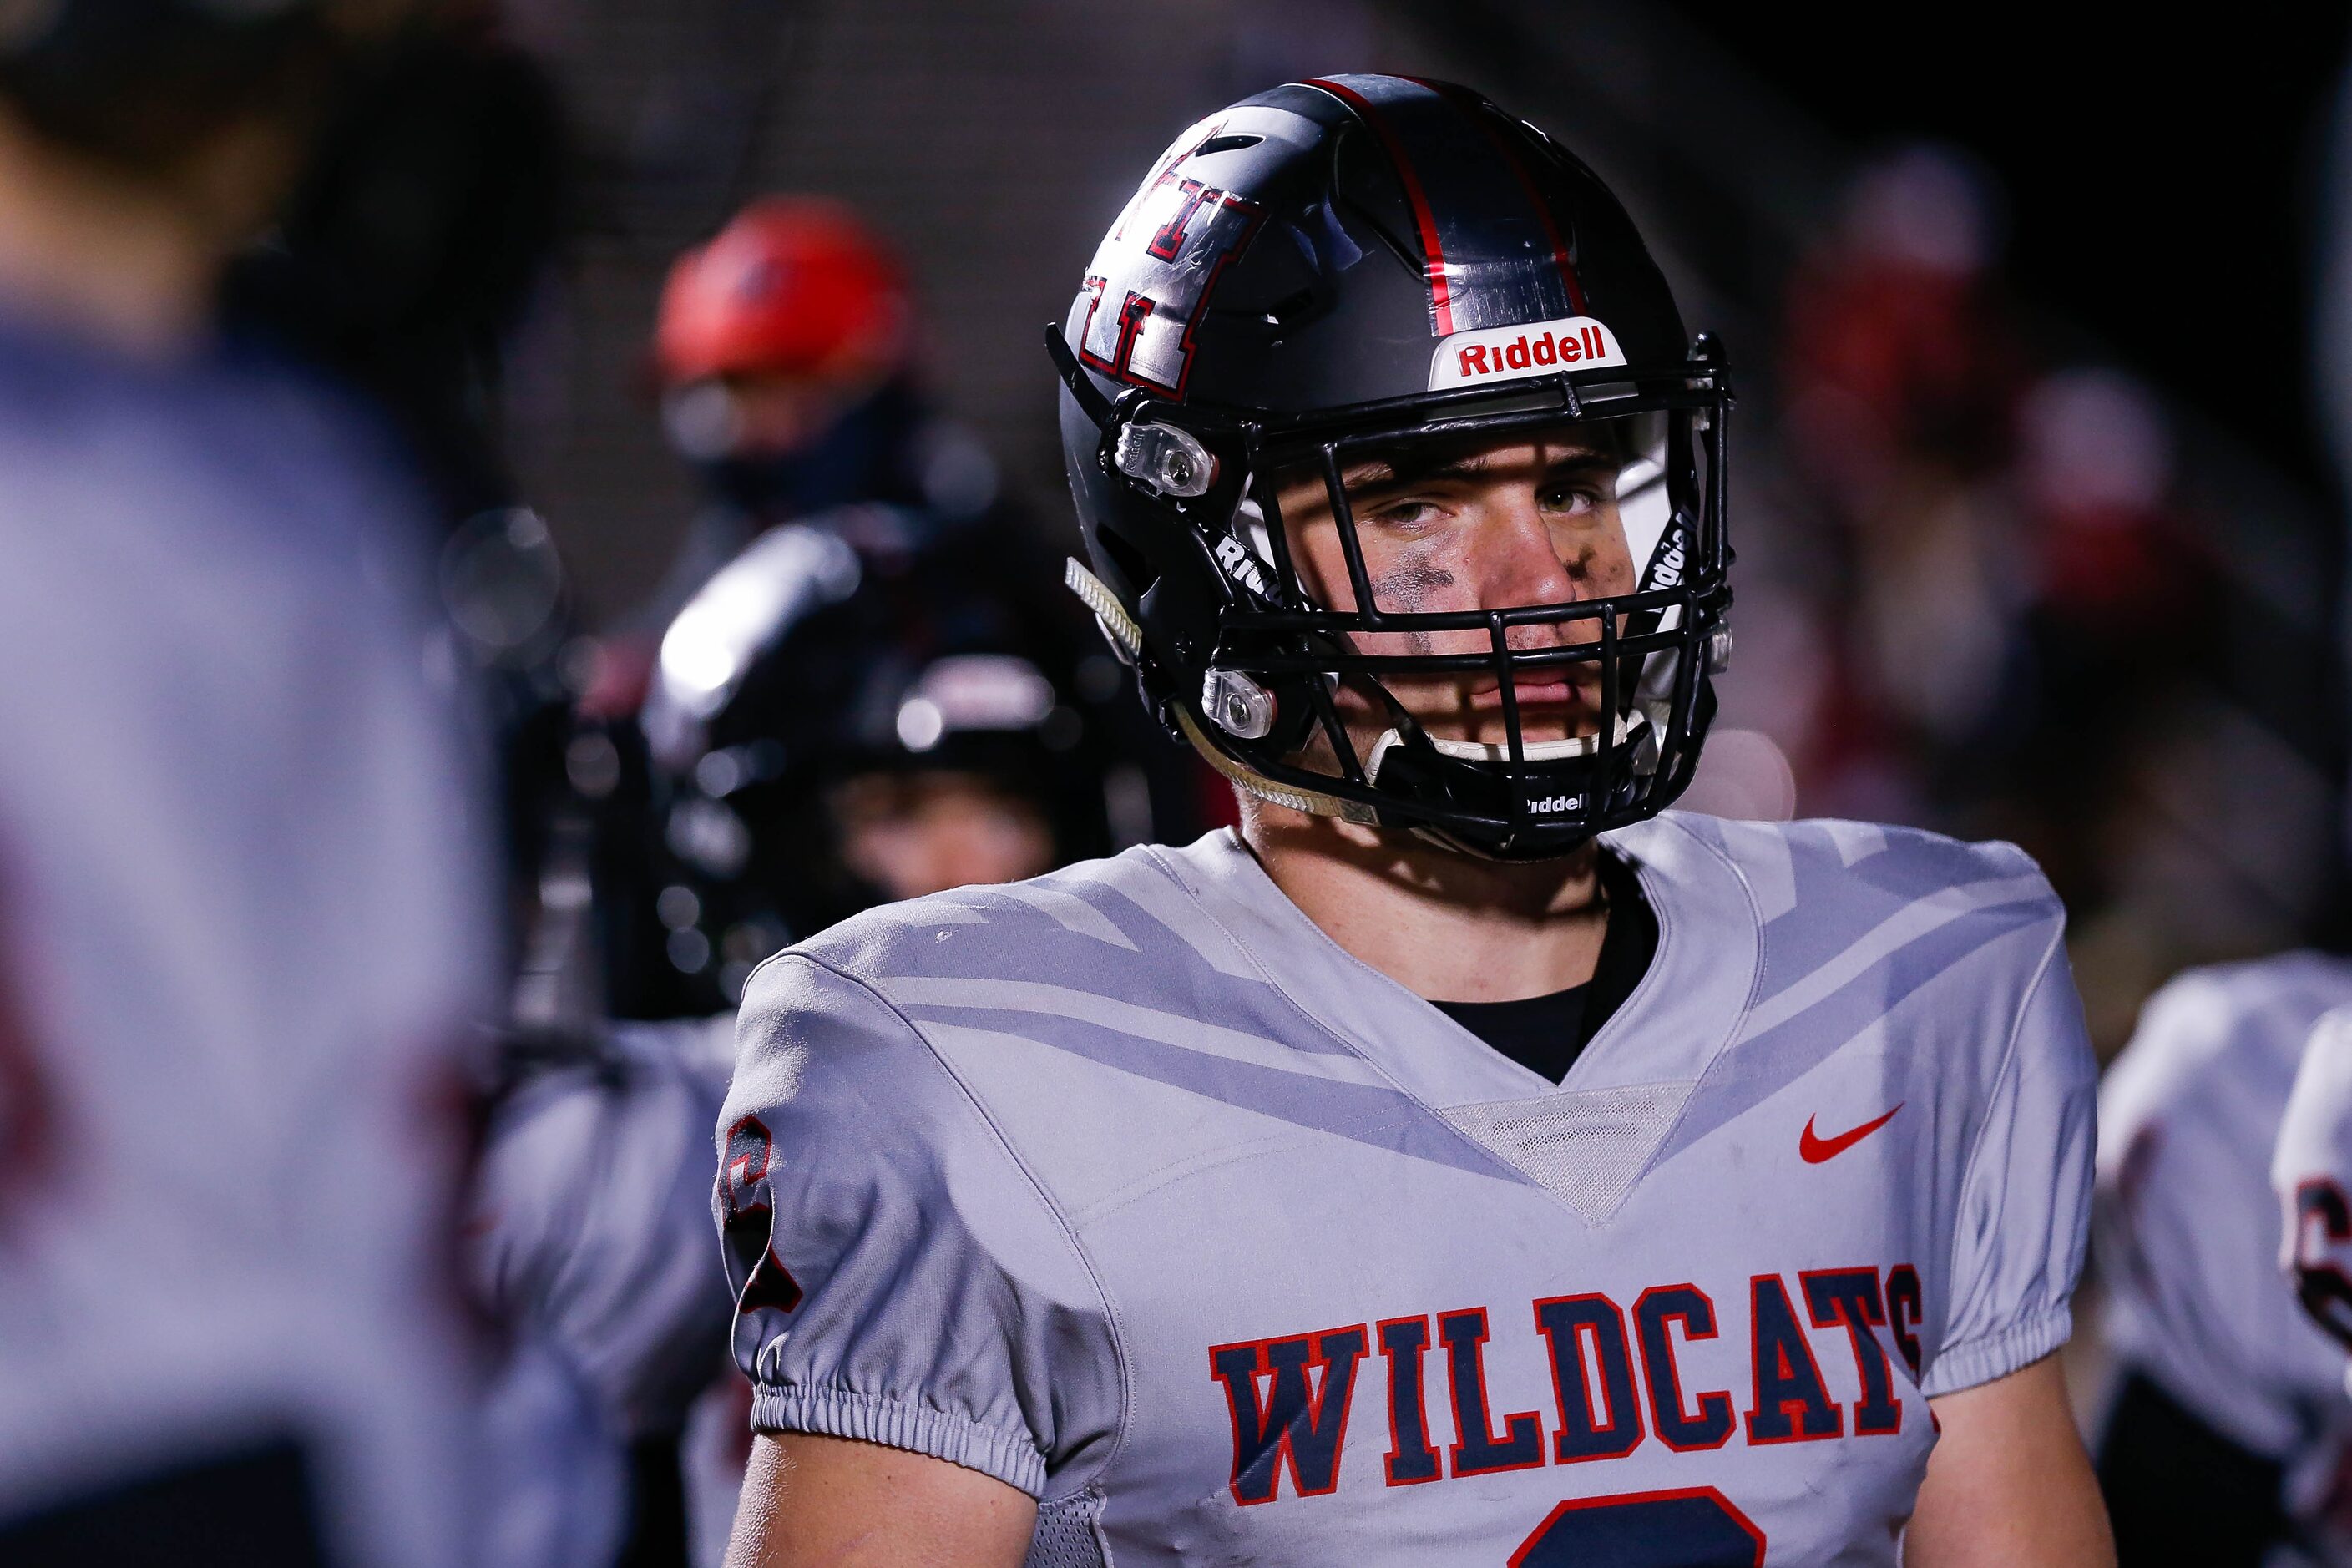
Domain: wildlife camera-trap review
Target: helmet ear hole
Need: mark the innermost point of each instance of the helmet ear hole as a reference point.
(1131, 565)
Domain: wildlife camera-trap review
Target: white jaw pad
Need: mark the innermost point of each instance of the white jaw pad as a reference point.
(1628, 725)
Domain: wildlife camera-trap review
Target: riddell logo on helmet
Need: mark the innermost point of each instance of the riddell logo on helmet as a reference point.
(1506, 353)
(1242, 566)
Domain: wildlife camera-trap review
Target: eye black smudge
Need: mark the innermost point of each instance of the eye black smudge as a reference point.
(1406, 588)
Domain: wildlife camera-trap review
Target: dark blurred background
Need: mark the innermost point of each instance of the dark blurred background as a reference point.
(2039, 526)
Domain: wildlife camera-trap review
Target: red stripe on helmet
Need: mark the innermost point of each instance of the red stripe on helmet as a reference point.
(1465, 100)
(1440, 303)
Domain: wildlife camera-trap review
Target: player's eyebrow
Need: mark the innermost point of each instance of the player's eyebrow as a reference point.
(1390, 473)
(1375, 475)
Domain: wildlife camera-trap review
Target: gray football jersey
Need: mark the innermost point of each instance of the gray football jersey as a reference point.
(587, 1222)
(1128, 1187)
(2188, 1226)
(2311, 1170)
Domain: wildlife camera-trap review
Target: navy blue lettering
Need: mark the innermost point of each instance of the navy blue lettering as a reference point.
(1567, 1323)
(1411, 1459)
(1904, 1305)
(1792, 1402)
(1477, 1450)
(1654, 1316)
(1849, 1299)
(1301, 1426)
(1690, 1527)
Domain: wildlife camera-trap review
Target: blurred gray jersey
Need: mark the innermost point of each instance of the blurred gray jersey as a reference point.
(590, 1220)
(590, 1235)
(2189, 1118)
(243, 932)
(2311, 1171)
(1128, 1187)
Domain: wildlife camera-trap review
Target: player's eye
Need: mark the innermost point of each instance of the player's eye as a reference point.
(1404, 514)
(1570, 498)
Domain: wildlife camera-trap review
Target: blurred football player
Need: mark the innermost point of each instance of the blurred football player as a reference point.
(831, 729)
(2228, 1423)
(589, 1233)
(2311, 1174)
(847, 713)
(782, 349)
(866, 685)
(1461, 1161)
(239, 847)
(2311, 1171)
(845, 514)
(785, 352)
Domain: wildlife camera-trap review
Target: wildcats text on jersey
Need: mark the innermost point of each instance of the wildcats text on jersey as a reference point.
(1618, 1380)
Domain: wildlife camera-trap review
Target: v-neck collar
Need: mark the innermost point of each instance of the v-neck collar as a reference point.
(1686, 1008)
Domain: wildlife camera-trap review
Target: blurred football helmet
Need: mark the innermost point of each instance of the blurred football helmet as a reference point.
(794, 285)
(831, 675)
(1359, 265)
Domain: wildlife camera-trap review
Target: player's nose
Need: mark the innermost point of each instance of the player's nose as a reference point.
(1520, 559)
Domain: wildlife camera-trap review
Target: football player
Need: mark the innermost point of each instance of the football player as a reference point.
(854, 710)
(2228, 1418)
(244, 917)
(2311, 1171)
(590, 1234)
(785, 355)
(1461, 1161)
(832, 724)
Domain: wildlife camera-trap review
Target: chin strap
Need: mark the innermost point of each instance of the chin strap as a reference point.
(1312, 802)
(1096, 596)
(1128, 637)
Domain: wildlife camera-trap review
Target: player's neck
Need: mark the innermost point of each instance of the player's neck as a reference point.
(1441, 924)
(127, 261)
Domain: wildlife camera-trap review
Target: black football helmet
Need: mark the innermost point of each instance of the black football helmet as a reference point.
(1360, 264)
(853, 644)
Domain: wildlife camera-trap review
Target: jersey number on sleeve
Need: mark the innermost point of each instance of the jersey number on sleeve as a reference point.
(1695, 1526)
(2323, 1224)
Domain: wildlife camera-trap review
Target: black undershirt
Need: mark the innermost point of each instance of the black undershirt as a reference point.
(1547, 1034)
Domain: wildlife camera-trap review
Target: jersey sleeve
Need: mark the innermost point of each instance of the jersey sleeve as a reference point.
(2025, 1194)
(2311, 1170)
(899, 1278)
(591, 1220)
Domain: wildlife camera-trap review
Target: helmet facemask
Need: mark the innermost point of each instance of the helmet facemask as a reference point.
(1349, 674)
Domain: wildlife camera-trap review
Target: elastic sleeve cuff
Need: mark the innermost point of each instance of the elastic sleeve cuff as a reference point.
(1982, 1360)
(1010, 1458)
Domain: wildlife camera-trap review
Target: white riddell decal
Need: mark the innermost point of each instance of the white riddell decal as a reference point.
(1540, 348)
(1242, 566)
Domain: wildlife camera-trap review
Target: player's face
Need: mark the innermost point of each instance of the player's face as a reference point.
(756, 415)
(1515, 521)
(912, 835)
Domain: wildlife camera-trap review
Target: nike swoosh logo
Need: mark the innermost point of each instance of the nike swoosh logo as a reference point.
(1815, 1149)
